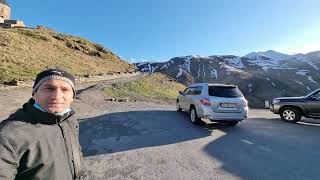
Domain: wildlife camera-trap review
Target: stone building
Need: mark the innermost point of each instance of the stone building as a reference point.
(5, 16)
(5, 11)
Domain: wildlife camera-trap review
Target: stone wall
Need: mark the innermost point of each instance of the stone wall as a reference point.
(5, 12)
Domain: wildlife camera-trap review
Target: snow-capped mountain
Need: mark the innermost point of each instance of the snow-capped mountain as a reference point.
(276, 55)
(256, 56)
(260, 75)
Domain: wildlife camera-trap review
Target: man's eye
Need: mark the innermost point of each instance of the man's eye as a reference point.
(65, 90)
(49, 88)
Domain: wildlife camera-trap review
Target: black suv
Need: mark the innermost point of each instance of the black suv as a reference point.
(291, 109)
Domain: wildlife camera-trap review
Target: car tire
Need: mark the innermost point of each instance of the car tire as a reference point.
(232, 123)
(193, 115)
(290, 114)
(178, 107)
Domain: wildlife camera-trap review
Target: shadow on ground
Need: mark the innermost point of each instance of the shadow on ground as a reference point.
(117, 132)
(269, 149)
(258, 148)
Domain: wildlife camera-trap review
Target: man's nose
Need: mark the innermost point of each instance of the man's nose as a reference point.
(57, 93)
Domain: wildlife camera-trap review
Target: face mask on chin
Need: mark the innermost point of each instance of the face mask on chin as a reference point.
(37, 105)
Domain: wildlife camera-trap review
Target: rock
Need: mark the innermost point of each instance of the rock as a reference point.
(11, 83)
(123, 100)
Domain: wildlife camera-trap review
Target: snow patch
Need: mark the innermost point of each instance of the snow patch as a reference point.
(187, 63)
(255, 56)
(198, 71)
(214, 73)
(302, 72)
(311, 79)
(299, 82)
(164, 67)
(250, 87)
(231, 68)
(149, 69)
(313, 65)
(266, 62)
(142, 63)
(235, 62)
(179, 73)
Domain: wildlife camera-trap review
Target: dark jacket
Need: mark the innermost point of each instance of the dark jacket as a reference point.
(35, 145)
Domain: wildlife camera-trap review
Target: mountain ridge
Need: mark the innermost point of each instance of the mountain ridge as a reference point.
(260, 77)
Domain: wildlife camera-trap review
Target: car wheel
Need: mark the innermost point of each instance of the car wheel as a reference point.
(232, 123)
(193, 116)
(289, 114)
(178, 106)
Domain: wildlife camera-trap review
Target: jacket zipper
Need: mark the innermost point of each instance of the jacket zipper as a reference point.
(66, 147)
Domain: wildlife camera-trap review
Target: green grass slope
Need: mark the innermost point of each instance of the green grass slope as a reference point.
(155, 86)
(25, 52)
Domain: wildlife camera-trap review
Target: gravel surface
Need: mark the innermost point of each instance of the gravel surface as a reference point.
(150, 140)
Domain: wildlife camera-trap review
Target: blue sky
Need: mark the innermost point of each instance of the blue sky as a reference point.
(156, 30)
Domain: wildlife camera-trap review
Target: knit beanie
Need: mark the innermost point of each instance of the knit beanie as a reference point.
(54, 74)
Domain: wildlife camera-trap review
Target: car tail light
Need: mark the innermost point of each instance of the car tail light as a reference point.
(205, 102)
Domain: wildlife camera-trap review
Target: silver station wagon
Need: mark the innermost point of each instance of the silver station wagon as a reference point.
(216, 102)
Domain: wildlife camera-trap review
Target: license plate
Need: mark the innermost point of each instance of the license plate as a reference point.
(227, 105)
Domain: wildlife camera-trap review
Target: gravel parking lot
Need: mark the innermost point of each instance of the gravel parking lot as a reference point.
(150, 140)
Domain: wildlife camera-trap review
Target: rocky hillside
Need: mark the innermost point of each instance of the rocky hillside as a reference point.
(25, 52)
(260, 75)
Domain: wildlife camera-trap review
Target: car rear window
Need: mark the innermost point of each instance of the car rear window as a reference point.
(230, 92)
(195, 90)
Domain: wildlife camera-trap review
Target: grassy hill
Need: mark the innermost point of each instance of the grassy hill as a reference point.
(155, 86)
(25, 52)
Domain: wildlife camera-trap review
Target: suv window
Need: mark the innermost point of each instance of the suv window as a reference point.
(220, 91)
(195, 90)
(186, 91)
(316, 96)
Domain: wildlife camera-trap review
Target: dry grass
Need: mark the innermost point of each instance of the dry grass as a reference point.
(26, 52)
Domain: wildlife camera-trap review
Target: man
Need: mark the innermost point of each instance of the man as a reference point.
(40, 141)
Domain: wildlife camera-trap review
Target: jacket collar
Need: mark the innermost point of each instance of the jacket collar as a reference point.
(37, 116)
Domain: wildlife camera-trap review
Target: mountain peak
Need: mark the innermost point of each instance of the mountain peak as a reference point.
(256, 56)
(276, 55)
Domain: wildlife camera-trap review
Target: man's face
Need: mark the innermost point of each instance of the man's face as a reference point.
(54, 96)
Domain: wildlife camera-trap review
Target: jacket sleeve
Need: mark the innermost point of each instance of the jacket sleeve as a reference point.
(8, 159)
